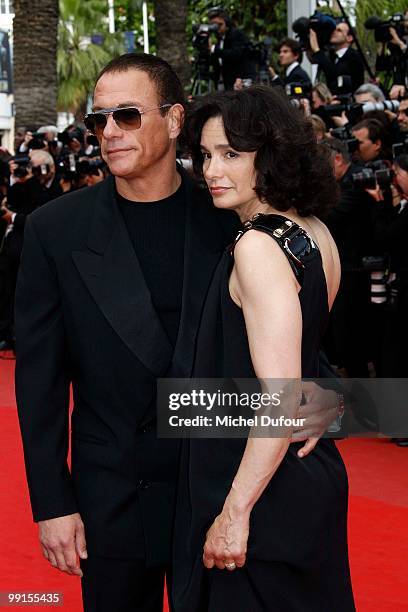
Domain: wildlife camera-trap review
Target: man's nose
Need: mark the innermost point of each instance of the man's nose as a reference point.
(111, 129)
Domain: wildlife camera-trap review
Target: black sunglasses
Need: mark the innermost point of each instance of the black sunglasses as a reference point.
(126, 118)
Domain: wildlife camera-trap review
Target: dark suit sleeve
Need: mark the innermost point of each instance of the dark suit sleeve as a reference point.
(42, 382)
(356, 69)
(325, 64)
(235, 52)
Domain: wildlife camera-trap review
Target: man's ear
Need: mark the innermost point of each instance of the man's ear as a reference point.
(378, 144)
(175, 120)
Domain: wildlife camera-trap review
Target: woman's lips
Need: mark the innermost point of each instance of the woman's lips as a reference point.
(216, 191)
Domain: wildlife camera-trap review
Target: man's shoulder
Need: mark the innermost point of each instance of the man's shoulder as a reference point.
(299, 72)
(352, 55)
(73, 204)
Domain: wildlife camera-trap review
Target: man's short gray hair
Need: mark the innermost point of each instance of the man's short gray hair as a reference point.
(372, 89)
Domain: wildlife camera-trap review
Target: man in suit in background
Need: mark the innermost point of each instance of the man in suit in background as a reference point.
(290, 59)
(230, 55)
(342, 60)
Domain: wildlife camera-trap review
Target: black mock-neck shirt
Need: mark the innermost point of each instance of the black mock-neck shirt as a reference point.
(157, 231)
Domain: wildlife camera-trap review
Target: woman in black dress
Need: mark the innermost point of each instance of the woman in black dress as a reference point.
(257, 527)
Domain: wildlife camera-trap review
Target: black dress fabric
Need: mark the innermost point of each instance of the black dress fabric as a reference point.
(297, 558)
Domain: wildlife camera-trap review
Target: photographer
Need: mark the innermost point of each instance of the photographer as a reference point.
(391, 230)
(402, 116)
(343, 60)
(349, 222)
(368, 93)
(39, 186)
(230, 55)
(374, 140)
(290, 59)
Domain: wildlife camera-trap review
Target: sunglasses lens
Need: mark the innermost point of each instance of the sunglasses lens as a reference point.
(127, 118)
(95, 122)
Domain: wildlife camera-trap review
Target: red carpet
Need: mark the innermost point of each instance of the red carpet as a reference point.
(378, 520)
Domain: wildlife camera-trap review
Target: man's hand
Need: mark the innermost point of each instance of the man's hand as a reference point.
(319, 411)
(397, 91)
(7, 215)
(62, 540)
(314, 45)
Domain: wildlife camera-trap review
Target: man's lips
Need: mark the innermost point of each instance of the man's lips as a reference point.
(112, 151)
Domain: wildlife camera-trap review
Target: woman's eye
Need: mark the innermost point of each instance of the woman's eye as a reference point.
(231, 154)
(206, 156)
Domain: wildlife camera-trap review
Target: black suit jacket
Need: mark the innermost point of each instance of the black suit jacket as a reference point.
(350, 64)
(297, 75)
(350, 222)
(235, 57)
(84, 315)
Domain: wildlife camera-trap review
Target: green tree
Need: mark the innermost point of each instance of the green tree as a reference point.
(171, 39)
(35, 62)
(79, 59)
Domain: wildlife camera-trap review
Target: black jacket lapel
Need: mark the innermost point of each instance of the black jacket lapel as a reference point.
(111, 271)
(205, 240)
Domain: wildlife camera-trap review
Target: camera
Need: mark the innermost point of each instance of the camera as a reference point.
(343, 134)
(354, 111)
(37, 141)
(22, 161)
(400, 148)
(67, 166)
(298, 91)
(90, 166)
(66, 137)
(324, 25)
(381, 28)
(374, 173)
(202, 32)
(40, 170)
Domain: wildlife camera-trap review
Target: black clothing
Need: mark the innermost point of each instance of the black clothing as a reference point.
(23, 199)
(391, 230)
(235, 59)
(350, 223)
(297, 75)
(84, 314)
(105, 585)
(156, 230)
(297, 547)
(350, 64)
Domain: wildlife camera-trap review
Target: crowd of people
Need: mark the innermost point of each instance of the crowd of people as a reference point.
(366, 129)
(45, 165)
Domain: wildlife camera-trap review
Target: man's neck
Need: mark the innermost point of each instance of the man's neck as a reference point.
(342, 171)
(149, 188)
(343, 46)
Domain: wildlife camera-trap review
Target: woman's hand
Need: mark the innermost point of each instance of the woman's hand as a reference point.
(226, 542)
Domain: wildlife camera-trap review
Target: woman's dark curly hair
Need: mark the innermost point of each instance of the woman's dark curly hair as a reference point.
(292, 168)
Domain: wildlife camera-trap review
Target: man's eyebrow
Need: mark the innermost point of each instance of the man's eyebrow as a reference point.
(121, 105)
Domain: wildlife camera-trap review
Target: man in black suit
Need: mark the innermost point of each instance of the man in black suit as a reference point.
(290, 59)
(230, 56)
(109, 297)
(350, 223)
(24, 196)
(103, 302)
(342, 60)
